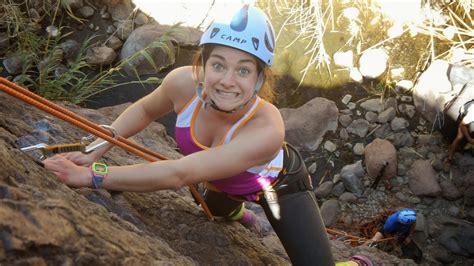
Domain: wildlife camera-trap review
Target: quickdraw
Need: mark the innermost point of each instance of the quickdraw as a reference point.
(100, 132)
(48, 150)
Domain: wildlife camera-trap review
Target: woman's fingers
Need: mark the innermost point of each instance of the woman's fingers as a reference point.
(78, 158)
(60, 166)
(67, 171)
(55, 163)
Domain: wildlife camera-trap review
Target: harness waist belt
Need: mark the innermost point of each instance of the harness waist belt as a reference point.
(294, 178)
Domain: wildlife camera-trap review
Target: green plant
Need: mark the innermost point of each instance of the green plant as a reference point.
(46, 75)
(17, 25)
(44, 70)
(74, 84)
(65, 4)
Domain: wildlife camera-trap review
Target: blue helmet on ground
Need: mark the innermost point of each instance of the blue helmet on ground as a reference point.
(248, 30)
(407, 216)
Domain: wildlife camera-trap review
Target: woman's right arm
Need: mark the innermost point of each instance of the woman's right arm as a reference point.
(169, 95)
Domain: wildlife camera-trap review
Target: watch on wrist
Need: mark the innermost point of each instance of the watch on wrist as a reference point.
(99, 173)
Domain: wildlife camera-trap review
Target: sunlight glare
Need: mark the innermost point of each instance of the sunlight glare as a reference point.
(401, 11)
(192, 13)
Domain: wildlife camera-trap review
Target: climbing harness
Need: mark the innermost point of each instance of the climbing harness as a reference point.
(293, 178)
(98, 131)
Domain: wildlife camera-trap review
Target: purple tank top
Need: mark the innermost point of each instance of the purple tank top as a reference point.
(246, 183)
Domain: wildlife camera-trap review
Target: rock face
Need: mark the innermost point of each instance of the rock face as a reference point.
(45, 222)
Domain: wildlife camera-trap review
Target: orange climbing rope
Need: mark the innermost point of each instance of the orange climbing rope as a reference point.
(351, 239)
(70, 117)
(369, 228)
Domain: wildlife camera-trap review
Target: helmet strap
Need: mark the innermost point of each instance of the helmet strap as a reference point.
(210, 102)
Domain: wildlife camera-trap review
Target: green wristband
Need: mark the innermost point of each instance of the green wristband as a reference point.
(99, 172)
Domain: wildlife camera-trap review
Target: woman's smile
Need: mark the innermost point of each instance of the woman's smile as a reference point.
(227, 94)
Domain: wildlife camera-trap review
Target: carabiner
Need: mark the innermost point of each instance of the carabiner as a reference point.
(272, 200)
(100, 144)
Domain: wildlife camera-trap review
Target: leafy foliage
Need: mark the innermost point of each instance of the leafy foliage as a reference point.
(44, 68)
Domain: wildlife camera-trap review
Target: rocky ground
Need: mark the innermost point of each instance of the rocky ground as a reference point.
(416, 176)
(346, 140)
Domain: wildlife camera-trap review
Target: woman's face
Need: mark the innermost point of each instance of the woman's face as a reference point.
(229, 77)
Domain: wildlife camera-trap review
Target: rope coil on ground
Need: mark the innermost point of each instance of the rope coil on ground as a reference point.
(364, 230)
(74, 119)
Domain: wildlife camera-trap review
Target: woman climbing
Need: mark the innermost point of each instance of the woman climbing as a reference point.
(231, 136)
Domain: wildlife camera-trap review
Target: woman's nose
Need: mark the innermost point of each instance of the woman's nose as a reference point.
(228, 79)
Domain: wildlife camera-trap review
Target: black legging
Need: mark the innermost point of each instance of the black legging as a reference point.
(301, 229)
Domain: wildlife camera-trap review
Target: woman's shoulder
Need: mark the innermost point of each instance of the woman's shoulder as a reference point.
(180, 85)
(180, 77)
(269, 119)
(269, 112)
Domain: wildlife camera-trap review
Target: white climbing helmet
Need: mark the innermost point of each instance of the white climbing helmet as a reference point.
(248, 30)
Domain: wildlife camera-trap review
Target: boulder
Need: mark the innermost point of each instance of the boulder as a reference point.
(422, 179)
(305, 126)
(162, 57)
(381, 154)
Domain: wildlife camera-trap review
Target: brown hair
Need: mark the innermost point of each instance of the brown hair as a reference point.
(266, 92)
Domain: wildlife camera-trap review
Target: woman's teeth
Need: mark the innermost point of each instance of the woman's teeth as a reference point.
(235, 94)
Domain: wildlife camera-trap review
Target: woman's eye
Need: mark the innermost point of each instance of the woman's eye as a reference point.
(218, 67)
(244, 71)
